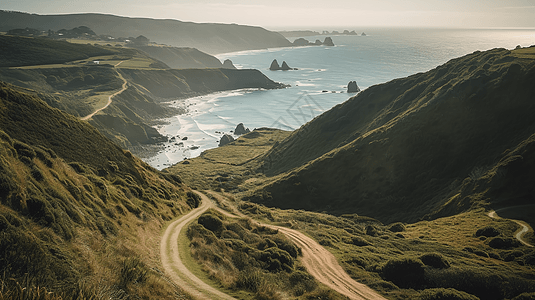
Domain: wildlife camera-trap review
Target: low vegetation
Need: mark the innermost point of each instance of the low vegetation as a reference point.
(79, 217)
(241, 255)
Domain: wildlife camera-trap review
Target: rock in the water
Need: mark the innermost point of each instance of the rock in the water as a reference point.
(352, 87)
(285, 66)
(274, 65)
(240, 129)
(227, 64)
(225, 139)
(328, 42)
(301, 42)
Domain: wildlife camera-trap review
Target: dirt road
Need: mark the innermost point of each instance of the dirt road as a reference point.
(519, 235)
(111, 96)
(172, 263)
(319, 262)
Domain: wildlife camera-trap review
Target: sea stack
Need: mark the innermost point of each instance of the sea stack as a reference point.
(352, 87)
(328, 42)
(226, 139)
(227, 64)
(274, 65)
(285, 66)
(240, 129)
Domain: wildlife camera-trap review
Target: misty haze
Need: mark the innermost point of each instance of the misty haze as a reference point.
(267, 150)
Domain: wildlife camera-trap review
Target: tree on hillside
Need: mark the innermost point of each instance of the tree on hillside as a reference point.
(141, 40)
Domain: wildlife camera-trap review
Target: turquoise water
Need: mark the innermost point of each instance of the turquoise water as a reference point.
(320, 81)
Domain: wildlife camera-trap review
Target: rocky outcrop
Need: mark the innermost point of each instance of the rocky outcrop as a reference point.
(285, 66)
(240, 129)
(328, 42)
(352, 87)
(274, 65)
(227, 64)
(300, 42)
(226, 139)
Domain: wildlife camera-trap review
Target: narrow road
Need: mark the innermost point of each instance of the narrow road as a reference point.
(319, 262)
(524, 228)
(172, 263)
(111, 96)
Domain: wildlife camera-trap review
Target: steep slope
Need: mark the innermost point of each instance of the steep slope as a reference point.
(182, 58)
(397, 150)
(210, 38)
(78, 86)
(76, 210)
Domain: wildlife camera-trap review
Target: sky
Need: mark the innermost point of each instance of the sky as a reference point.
(305, 14)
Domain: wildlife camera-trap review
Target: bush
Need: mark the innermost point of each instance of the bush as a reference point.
(446, 294)
(211, 222)
(435, 260)
(397, 227)
(371, 230)
(488, 231)
(358, 241)
(406, 272)
(249, 280)
(193, 200)
(503, 243)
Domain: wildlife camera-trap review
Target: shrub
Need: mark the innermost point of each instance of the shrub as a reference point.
(446, 294)
(488, 231)
(503, 243)
(406, 272)
(435, 260)
(193, 200)
(397, 227)
(249, 280)
(211, 222)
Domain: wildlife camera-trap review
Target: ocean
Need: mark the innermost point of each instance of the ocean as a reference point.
(320, 81)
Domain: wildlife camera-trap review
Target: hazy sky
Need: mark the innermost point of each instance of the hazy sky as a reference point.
(303, 14)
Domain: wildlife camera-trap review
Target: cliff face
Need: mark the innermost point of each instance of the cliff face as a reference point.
(210, 38)
(182, 58)
(401, 150)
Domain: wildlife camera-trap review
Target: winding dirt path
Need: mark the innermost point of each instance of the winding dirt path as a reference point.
(319, 262)
(172, 263)
(524, 228)
(111, 96)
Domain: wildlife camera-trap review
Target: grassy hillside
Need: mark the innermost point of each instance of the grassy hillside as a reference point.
(210, 38)
(79, 216)
(80, 86)
(415, 146)
(182, 58)
(20, 51)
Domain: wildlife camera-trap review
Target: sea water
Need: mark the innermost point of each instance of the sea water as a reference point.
(320, 81)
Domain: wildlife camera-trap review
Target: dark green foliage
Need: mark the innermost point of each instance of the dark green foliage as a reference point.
(23, 150)
(397, 227)
(503, 243)
(20, 51)
(488, 231)
(211, 222)
(249, 280)
(435, 260)
(276, 259)
(405, 272)
(193, 200)
(446, 294)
